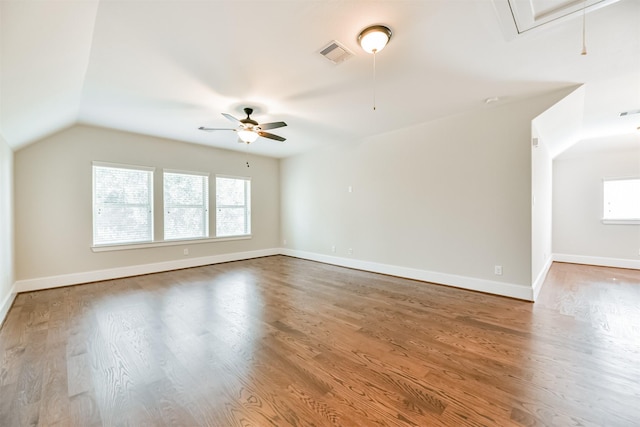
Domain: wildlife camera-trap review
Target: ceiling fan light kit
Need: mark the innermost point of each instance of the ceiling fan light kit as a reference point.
(249, 130)
(247, 136)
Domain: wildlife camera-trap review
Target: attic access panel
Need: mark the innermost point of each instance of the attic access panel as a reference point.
(520, 16)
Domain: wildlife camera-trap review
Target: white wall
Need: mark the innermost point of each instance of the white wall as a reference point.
(541, 210)
(7, 275)
(578, 232)
(555, 130)
(53, 184)
(447, 200)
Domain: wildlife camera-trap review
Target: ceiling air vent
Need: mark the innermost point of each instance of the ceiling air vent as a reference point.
(629, 113)
(336, 52)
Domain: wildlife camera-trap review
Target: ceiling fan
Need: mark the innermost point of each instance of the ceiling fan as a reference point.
(249, 130)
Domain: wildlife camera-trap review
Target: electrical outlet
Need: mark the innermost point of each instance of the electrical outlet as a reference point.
(333, 249)
(497, 270)
(350, 251)
(284, 242)
(185, 251)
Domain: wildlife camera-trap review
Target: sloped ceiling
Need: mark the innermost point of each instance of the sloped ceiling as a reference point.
(560, 125)
(164, 68)
(44, 55)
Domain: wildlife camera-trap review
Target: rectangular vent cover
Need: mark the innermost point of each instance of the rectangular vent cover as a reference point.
(336, 52)
(628, 113)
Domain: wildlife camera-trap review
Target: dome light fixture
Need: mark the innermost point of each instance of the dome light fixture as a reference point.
(247, 136)
(372, 40)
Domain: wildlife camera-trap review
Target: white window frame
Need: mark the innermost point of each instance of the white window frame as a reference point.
(204, 206)
(605, 201)
(96, 208)
(246, 205)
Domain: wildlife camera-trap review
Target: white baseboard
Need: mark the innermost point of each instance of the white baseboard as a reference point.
(488, 286)
(537, 284)
(512, 290)
(601, 261)
(40, 283)
(522, 292)
(5, 304)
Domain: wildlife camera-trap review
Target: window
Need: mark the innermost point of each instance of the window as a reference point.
(233, 211)
(621, 200)
(122, 204)
(186, 205)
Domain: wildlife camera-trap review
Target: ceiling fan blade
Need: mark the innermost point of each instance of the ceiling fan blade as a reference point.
(273, 125)
(230, 117)
(212, 129)
(271, 136)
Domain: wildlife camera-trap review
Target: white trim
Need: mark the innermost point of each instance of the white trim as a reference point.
(537, 284)
(512, 290)
(621, 178)
(621, 221)
(601, 261)
(182, 172)
(5, 306)
(176, 242)
(246, 178)
(40, 283)
(122, 166)
(522, 292)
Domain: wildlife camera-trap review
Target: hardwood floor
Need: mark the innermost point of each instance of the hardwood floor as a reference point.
(280, 341)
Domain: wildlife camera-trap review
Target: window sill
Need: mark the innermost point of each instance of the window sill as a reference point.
(621, 221)
(127, 246)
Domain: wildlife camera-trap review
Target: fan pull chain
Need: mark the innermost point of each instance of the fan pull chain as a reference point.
(584, 28)
(374, 79)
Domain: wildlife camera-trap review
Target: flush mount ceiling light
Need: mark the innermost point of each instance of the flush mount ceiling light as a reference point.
(372, 40)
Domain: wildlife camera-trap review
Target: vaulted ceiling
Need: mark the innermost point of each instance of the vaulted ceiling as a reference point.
(164, 68)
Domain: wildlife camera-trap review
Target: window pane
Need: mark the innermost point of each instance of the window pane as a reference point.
(122, 186)
(120, 224)
(622, 199)
(230, 191)
(122, 210)
(186, 205)
(230, 222)
(183, 189)
(183, 223)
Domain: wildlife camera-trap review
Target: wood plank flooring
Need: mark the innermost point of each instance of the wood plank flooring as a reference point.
(280, 341)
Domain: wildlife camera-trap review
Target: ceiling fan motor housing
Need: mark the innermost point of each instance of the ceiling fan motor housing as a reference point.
(248, 120)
